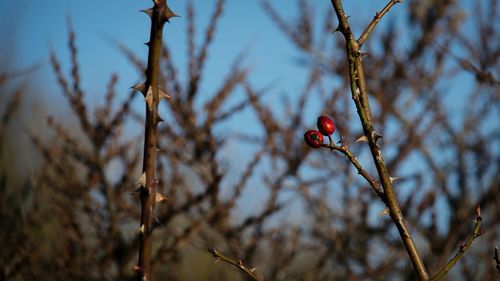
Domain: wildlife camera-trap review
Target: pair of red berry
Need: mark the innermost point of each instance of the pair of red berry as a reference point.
(314, 138)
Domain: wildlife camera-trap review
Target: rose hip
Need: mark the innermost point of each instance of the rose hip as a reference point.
(325, 125)
(313, 138)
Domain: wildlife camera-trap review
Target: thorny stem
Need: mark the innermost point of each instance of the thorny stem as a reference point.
(462, 248)
(360, 97)
(378, 16)
(159, 13)
(239, 264)
(354, 160)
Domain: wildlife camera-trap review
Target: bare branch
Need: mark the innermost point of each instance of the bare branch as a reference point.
(476, 232)
(376, 19)
(250, 272)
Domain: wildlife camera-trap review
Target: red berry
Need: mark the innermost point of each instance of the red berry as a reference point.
(325, 125)
(313, 138)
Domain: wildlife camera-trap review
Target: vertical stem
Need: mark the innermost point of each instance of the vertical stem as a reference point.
(360, 97)
(160, 13)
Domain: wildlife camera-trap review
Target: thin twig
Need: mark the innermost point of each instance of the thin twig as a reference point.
(376, 19)
(354, 160)
(239, 264)
(462, 248)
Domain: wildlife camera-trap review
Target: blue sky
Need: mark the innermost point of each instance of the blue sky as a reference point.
(31, 28)
(35, 26)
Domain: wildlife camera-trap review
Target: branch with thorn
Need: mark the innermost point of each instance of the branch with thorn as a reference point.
(239, 264)
(376, 19)
(160, 13)
(344, 149)
(359, 95)
(462, 247)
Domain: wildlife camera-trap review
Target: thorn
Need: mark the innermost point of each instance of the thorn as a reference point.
(141, 229)
(253, 269)
(149, 98)
(363, 138)
(163, 94)
(342, 139)
(336, 29)
(217, 260)
(384, 212)
(141, 182)
(240, 264)
(376, 136)
(137, 268)
(148, 12)
(392, 179)
(160, 197)
(159, 119)
(141, 87)
(167, 14)
(147, 44)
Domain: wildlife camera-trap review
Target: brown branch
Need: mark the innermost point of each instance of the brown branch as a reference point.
(354, 160)
(360, 97)
(239, 264)
(462, 248)
(376, 19)
(159, 14)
